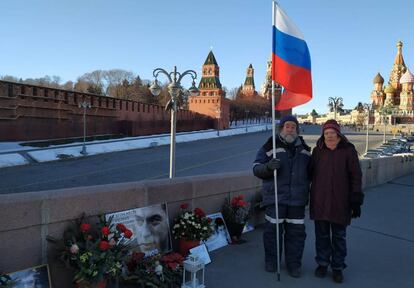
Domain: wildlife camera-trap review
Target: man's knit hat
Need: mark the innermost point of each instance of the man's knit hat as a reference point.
(331, 124)
(290, 118)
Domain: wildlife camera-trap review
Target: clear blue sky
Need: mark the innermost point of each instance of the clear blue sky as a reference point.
(349, 41)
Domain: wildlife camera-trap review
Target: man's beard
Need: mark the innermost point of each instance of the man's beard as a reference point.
(289, 138)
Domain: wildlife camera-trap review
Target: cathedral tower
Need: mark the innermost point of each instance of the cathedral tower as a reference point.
(378, 95)
(406, 96)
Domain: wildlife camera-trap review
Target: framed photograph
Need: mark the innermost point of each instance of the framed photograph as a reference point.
(220, 236)
(36, 277)
(202, 253)
(150, 227)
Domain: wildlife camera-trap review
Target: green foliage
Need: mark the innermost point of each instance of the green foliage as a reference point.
(155, 271)
(96, 252)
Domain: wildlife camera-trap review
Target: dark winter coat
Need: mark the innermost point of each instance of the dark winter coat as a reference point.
(336, 182)
(293, 175)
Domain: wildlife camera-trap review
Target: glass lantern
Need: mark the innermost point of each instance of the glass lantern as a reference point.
(194, 267)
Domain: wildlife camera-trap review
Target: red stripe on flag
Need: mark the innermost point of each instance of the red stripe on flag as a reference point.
(297, 82)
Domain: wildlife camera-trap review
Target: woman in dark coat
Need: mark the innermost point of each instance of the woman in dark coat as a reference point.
(335, 197)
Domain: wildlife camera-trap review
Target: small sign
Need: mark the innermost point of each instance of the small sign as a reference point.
(202, 253)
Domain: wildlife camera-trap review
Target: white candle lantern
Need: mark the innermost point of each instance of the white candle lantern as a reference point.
(193, 266)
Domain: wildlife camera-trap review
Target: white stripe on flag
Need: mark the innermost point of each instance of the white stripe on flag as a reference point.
(285, 25)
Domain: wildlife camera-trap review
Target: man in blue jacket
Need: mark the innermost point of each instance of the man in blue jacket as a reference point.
(292, 164)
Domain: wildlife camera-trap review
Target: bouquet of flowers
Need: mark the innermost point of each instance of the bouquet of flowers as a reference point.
(236, 213)
(96, 252)
(191, 225)
(155, 271)
(236, 210)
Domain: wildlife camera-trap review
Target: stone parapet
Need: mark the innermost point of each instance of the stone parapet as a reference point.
(26, 219)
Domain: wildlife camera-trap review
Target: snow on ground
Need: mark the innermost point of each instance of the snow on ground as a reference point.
(12, 159)
(73, 150)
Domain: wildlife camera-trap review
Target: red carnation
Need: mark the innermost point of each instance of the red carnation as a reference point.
(128, 233)
(184, 206)
(234, 201)
(172, 265)
(137, 256)
(105, 231)
(242, 203)
(104, 245)
(199, 212)
(85, 227)
(121, 227)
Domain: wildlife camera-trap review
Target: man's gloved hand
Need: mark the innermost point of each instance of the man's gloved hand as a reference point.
(355, 210)
(273, 164)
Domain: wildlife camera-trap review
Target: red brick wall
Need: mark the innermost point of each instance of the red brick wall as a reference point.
(30, 112)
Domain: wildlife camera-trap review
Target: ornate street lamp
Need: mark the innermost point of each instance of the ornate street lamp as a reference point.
(267, 118)
(85, 105)
(218, 111)
(247, 114)
(174, 89)
(335, 103)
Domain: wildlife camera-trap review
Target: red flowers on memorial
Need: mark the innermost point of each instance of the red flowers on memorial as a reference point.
(95, 251)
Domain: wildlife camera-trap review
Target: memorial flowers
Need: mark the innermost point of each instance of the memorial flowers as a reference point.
(191, 225)
(95, 251)
(161, 271)
(236, 212)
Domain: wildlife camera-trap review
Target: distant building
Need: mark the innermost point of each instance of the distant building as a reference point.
(266, 89)
(249, 89)
(212, 100)
(394, 102)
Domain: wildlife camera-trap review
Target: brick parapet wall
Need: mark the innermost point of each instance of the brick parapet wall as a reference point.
(30, 112)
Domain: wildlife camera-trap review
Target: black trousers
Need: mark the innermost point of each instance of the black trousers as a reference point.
(292, 234)
(330, 244)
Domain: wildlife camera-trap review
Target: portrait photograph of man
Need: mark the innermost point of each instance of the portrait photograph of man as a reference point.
(150, 227)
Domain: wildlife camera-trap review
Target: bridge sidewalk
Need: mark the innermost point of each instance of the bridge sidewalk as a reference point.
(380, 248)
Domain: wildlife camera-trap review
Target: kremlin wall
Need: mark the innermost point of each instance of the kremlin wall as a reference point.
(30, 112)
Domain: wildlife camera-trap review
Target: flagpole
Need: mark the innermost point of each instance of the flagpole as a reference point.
(274, 145)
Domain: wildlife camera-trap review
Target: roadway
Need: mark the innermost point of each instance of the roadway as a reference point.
(226, 154)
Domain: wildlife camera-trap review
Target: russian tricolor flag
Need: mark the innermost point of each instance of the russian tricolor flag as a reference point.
(291, 65)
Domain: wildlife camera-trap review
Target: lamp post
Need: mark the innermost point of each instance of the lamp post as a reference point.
(218, 111)
(267, 118)
(367, 107)
(247, 114)
(174, 89)
(335, 102)
(85, 105)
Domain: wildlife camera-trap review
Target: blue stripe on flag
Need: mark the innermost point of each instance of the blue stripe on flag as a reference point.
(291, 49)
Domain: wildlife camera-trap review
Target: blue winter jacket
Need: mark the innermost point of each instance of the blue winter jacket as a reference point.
(293, 177)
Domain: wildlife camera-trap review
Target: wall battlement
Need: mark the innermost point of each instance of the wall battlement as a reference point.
(30, 112)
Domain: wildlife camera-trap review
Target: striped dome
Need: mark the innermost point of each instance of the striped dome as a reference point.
(408, 77)
(378, 79)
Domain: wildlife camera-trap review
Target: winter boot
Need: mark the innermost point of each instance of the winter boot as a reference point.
(337, 276)
(321, 271)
